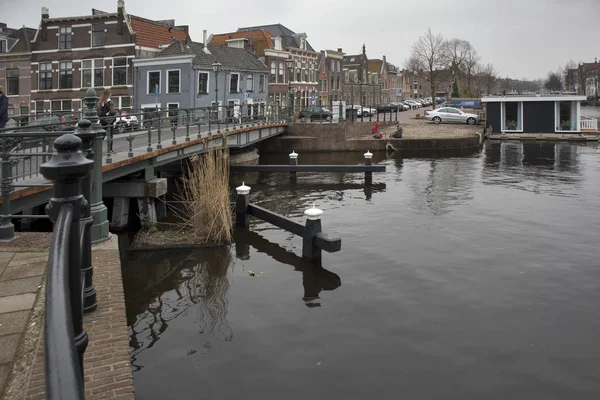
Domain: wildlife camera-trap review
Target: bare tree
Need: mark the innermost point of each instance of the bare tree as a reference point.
(470, 65)
(486, 79)
(570, 75)
(429, 49)
(414, 64)
(583, 73)
(456, 52)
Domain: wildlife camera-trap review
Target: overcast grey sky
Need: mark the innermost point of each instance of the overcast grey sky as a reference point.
(521, 38)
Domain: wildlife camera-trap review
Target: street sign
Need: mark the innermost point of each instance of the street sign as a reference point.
(312, 99)
(156, 88)
(398, 92)
(247, 95)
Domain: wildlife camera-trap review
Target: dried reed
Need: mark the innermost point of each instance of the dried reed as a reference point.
(204, 193)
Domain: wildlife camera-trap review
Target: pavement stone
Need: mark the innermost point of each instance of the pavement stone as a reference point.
(18, 302)
(4, 374)
(20, 286)
(28, 258)
(3, 265)
(14, 322)
(24, 271)
(8, 347)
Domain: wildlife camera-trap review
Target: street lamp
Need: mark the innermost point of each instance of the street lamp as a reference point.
(290, 64)
(216, 66)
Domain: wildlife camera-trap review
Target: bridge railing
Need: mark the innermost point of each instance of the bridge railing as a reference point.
(65, 340)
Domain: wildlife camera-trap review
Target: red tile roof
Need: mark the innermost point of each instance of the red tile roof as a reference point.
(261, 40)
(153, 34)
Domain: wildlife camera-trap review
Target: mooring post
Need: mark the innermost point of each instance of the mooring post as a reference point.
(293, 161)
(312, 227)
(368, 161)
(242, 218)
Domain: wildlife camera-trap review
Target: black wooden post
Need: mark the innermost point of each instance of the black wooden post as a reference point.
(242, 218)
(312, 227)
(368, 161)
(86, 134)
(293, 161)
(66, 169)
(174, 130)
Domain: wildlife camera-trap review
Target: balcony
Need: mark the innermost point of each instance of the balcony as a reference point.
(588, 125)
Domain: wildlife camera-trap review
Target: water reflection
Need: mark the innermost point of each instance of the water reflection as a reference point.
(315, 278)
(161, 287)
(533, 166)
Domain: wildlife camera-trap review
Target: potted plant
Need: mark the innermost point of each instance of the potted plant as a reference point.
(511, 125)
(565, 125)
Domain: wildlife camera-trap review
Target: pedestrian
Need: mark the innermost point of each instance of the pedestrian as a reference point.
(399, 131)
(375, 131)
(106, 111)
(3, 108)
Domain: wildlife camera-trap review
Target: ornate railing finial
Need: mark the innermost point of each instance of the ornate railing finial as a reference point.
(91, 106)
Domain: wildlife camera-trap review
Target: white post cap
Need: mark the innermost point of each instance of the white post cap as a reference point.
(313, 213)
(293, 155)
(368, 154)
(241, 190)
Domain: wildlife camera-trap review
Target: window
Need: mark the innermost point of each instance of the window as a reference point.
(338, 67)
(12, 81)
(512, 116)
(261, 83)
(39, 107)
(45, 76)
(125, 103)
(3, 46)
(332, 66)
(65, 75)
(566, 116)
(281, 72)
(325, 85)
(298, 71)
(119, 71)
(64, 37)
(234, 83)
(153, 82)
(202, 82)
(92, 73)
(97, 35)
(249, 83)
(61, 106)
(273, 72)
(338, 83)
(173, 81)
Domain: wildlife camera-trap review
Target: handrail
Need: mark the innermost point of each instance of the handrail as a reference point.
(65, 340)
(64, 378)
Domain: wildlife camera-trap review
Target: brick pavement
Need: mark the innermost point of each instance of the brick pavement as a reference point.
(107, 361)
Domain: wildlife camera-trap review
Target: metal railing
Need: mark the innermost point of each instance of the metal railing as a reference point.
(69, 266)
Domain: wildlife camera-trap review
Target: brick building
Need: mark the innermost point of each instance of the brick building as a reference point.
(15, 68)
(331, 77)
(357, 89)
(71, 54)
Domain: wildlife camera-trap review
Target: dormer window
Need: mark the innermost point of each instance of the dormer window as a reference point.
(303, 43)
(3, 46)
(97, 35)
(277, 43)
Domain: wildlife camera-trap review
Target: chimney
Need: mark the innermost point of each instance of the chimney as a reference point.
(204, 37)
(120, 7)
(120, 16)
(339, 50)
(45, 13)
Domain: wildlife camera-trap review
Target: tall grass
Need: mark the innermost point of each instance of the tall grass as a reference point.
(204, 194)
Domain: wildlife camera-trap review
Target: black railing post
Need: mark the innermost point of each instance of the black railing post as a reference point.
(199, 129)
(86, 134)
(312, 227)
(65, 340)
(159, 134)
(99, 231)
(187, 127)
(130, 140)
(242, 218)
(149, 147)
(368, 161)
(7, 229)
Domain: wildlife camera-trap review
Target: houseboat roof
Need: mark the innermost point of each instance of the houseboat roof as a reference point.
(539, 97)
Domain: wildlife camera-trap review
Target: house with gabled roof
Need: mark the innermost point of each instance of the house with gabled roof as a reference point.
(304, 74)
(182, 76)
(72, 53)
(15, 69)
(361, 79)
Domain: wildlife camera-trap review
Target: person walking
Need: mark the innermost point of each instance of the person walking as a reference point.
(106, 111)
(3, 108)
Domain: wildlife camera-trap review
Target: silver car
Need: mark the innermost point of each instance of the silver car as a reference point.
(451, 115)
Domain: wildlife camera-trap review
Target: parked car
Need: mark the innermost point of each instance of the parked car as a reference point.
(388, 107)
(316, 113)
(464, 103)
(68, 122)
(451, 115)
(401, 106)
(357, 108)
(405, 107)
(438, 100)
(369, 112)
(125, 121)
(413, 104)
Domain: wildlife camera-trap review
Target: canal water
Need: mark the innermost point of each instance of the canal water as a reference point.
(461, 276)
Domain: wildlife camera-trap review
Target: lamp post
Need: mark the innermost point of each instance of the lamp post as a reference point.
(290, 64)
(216, 66)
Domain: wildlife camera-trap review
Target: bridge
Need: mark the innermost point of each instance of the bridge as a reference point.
(166, 138)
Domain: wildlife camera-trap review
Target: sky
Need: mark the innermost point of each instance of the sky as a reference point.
(521, 38)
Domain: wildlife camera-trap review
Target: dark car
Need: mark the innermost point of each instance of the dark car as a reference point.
(316, 113)
(388, 107)
(68, 122)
